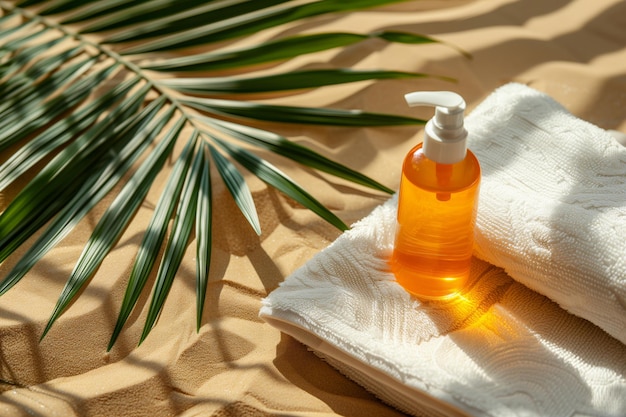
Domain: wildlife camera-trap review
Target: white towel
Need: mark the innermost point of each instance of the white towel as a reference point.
(552, 209)
(550, 214)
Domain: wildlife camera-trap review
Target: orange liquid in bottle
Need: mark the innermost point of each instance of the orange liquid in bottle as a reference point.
(435, 229)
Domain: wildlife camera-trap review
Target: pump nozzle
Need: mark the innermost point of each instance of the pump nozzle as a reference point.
(444, 139)
(447, 99)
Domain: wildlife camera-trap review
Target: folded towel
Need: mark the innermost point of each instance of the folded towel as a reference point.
(552, 209)
(549, 214)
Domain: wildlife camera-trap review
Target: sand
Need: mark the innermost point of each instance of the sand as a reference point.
(236, 364)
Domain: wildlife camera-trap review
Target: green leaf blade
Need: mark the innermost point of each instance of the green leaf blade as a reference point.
(58, 135)
(305, 156)
(210, 22)
(203, 236)
(68, 5)
(241, 25)
(155, 233)
(237, 187)
(260, 54)
(56, 183)
(25, 56)
(295, 80)
(274, 177)
(35, 112)
(162, 18)
(277, 50)
(110, 227)
(17, 83)
(298, 115)
(415, 39)
(91, 192)
(176, 245)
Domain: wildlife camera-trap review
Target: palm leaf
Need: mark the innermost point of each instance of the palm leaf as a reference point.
(83, 113)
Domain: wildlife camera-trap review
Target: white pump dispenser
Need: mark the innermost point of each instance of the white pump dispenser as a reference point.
(444, 135)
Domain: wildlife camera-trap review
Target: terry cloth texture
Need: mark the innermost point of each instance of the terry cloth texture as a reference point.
(552, 219)
(552, 210)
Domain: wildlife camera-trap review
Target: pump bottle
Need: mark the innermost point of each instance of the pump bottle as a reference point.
(437, 203)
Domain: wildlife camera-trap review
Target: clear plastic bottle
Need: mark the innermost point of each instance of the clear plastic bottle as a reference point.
(437, 204)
